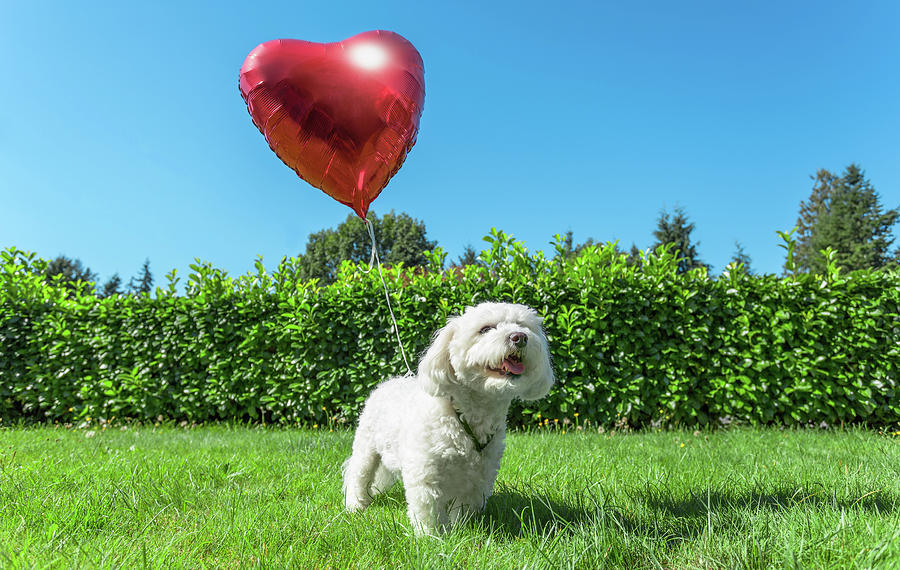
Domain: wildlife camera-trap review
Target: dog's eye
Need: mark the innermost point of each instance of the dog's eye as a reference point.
(486, 328)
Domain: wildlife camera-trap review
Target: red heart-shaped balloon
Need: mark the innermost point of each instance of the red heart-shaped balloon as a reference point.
(342, 115)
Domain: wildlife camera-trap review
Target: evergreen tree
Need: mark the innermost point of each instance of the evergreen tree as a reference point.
(634, 256)
(469, 257)
(587, 243)
(819, 199)
(112, 287)
(400, 238)
(71, 272)
(143, 282)
(677, 230)
(568, 244)
(845, 213)
(571, 249)
(740, 256)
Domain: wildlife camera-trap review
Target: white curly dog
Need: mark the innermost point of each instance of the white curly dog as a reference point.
(443, 431)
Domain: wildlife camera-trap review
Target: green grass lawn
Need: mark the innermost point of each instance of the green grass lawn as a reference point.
(241, 497)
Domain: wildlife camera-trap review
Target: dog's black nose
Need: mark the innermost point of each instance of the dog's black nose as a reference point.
(519, 339)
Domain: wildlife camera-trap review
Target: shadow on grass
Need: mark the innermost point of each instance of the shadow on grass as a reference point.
(509, 511)
(699, 502)
(392, 498)
(657, 514)
(512, 513)
(518, 511)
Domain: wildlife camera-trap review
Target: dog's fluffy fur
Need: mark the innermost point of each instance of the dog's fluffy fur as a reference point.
(410, 427)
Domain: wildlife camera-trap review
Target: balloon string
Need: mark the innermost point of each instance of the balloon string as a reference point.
(374, 259)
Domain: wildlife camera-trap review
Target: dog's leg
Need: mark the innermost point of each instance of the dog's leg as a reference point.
(470, 502)
(463, 508)
(426, 508)
(359, 476)
(490, 469)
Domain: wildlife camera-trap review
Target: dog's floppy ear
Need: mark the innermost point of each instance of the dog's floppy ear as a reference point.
(435, 370)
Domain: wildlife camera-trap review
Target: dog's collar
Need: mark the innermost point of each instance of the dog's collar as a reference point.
(478, 445)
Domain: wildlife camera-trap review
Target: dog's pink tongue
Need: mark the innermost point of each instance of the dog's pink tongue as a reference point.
(513, 366)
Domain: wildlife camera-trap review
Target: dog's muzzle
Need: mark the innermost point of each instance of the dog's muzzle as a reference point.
(512, 365)
(519, 339)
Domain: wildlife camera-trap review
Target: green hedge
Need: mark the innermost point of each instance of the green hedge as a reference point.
(637, 345)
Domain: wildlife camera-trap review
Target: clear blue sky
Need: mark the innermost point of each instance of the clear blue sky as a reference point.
(123, 135)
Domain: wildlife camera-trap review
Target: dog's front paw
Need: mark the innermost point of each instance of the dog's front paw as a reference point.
(354, 505)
